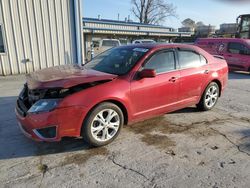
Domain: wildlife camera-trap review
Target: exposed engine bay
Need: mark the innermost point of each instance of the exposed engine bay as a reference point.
(28, 97)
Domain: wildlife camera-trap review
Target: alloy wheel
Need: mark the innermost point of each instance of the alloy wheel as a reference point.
(211, 96)
(105, 125)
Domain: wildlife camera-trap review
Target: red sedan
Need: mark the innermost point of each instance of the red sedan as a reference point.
(122, 85)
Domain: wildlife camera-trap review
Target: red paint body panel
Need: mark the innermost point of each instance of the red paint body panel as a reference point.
(141, 98)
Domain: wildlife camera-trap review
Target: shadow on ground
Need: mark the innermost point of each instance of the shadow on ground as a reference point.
(15, 145)
(238, 75)
(186, 110)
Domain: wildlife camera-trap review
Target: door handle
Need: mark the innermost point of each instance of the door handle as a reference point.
(206, 71)
(173, 79)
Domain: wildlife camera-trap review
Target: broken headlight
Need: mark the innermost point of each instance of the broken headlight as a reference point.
(44, 105)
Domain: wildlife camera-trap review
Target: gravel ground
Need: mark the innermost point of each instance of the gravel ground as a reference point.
(186, 148)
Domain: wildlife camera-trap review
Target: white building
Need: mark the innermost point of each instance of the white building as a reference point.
(36, 34)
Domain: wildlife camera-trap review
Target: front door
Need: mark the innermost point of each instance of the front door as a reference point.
(155, 95)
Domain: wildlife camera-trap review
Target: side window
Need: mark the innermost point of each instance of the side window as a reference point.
(190, 59)
(2, 47)
(161, 62)
(238, 48)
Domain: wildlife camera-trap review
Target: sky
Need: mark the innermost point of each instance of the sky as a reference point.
(214, 12)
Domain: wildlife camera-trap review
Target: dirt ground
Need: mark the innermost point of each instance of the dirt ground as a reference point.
(186, 148)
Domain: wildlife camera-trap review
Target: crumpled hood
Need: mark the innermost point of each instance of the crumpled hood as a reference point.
(64, 76)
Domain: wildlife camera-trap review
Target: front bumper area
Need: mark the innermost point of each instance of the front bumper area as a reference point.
(30, 124)
(66, 122)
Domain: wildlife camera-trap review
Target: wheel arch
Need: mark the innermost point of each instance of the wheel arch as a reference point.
(219, 84)
(116, 102)
(121, 106)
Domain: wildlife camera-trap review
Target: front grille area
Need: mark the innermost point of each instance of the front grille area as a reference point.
(23, 104)
(21, 108)
(47, 133)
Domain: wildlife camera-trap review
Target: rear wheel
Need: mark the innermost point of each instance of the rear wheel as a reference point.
(103, 124)
(209, 97)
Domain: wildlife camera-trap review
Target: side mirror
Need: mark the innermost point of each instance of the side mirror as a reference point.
(147, 73)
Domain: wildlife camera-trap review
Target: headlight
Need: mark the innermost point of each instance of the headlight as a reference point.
(44, 105)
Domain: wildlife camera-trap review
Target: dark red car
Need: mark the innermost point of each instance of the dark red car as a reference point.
(122, 85)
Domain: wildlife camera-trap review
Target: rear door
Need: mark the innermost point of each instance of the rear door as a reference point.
(238, 56)
(194, 73)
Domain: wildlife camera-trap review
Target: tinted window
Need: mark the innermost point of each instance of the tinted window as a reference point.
(189, 59)
(161, 62)
(2, 48)
(238, 48)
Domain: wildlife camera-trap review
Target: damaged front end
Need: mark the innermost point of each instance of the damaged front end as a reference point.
(40, 110)
(45, 100)
(38, 114)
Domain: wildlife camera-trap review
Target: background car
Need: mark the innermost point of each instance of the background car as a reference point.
(102, 46)
(143, 41)
(235, 51)
(122, 85)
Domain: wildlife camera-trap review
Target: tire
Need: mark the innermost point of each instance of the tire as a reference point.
(98, 129)
(209, 97)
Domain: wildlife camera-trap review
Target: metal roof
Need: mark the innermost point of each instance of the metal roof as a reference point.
(170, 33)
(116, 22)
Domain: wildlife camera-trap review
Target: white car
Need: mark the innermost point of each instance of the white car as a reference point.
(110, 43)
(102, 46)
(144, 41)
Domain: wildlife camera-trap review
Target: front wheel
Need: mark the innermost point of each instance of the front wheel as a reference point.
(209, 97)
(103, 124)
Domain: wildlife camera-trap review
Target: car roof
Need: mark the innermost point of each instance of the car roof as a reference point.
(162, 45)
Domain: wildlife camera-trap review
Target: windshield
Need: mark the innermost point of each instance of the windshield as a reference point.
(110, 43)
(116, 61)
